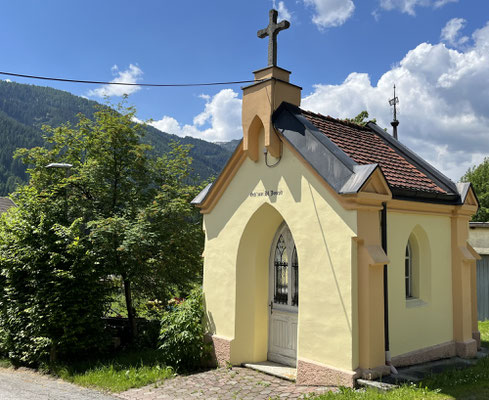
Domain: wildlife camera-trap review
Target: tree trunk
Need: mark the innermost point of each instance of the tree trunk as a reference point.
(53, 354)
(130, 310)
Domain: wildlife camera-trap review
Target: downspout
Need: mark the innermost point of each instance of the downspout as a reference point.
(383, 229)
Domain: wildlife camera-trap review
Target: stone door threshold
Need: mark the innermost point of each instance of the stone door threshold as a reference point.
(274, 369)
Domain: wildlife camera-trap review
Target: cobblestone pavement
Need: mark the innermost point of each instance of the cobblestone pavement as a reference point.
(23, 384)
(236, 383)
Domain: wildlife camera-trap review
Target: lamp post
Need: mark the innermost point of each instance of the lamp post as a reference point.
(60, 165)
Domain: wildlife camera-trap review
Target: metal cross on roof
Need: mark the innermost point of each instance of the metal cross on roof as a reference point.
(394, 102)
(272, 31)
(395, 123)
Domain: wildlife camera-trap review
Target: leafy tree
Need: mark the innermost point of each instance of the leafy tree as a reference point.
(52, 293)
(133, 212)
(361, 119)
(479, 177)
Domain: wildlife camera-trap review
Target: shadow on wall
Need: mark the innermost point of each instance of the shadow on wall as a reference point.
(331, 265)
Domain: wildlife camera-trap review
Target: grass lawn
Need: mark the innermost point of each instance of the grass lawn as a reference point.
(127, 370)
(469, 383)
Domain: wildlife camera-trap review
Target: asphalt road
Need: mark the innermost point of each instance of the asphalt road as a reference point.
(26, 385)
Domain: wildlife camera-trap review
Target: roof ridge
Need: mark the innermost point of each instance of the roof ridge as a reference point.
(341, 121)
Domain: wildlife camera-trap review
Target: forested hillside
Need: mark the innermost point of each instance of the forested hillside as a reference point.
(231, 145)
(24, 109)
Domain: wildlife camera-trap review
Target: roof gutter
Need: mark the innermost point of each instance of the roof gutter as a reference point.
(426, 197)
(383, 232)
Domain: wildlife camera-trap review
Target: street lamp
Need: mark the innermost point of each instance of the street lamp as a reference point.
(59, 165)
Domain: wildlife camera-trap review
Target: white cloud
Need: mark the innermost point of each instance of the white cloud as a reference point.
(441, 3)
(451, 32)
(283, 12)
(331, 13)
(220, 120)
(409, 6)
(444, 112)
(130, 75)
(7, 80)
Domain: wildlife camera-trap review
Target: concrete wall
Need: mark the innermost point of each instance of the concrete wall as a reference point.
(479, 239)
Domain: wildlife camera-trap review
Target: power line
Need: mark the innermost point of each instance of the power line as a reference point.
(46, 78)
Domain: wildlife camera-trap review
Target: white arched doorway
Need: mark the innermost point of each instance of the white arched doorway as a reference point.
(283, 298)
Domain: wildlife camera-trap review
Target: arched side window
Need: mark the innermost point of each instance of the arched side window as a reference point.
(408, 270)
(417, 267)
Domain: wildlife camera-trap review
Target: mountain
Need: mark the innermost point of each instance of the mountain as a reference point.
(229, 146)
(24, 109)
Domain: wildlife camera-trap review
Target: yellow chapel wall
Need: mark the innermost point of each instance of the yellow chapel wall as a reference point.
(239, 232)
(427, 320)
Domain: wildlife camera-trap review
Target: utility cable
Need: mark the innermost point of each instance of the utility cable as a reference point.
(45, 78)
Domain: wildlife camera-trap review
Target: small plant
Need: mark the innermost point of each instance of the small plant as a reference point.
(182, 333)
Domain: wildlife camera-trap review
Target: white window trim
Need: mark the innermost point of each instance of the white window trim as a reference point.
(413, 302)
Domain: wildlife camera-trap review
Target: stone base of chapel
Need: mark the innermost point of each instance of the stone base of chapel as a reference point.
(431, 353)
(477, 337)
(467, 349)
(221, 352)
(312, 373)
(315, 374)
(374, 373)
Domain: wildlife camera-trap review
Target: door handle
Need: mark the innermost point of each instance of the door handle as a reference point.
(271, 307)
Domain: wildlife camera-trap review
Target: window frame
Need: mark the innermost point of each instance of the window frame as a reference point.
(291, 250)
(408, 271)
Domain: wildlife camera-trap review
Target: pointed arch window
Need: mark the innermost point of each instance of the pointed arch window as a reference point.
(408, 267)
(295, 278)
(281, 265)
(284, 269)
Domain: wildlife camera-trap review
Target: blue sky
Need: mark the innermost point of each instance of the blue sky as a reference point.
(346, 54)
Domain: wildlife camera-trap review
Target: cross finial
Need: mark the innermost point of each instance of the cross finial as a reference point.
(395, 123)
(272, 31)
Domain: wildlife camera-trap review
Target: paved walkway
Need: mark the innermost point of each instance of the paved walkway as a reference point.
(23, 384)
(223, 384)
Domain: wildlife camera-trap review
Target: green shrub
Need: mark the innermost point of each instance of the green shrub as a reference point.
(52, 294)
(182, 333)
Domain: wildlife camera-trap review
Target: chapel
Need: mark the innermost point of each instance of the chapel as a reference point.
(331, 247)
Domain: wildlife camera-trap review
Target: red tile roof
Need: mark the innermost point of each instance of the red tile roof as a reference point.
(366, 147)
